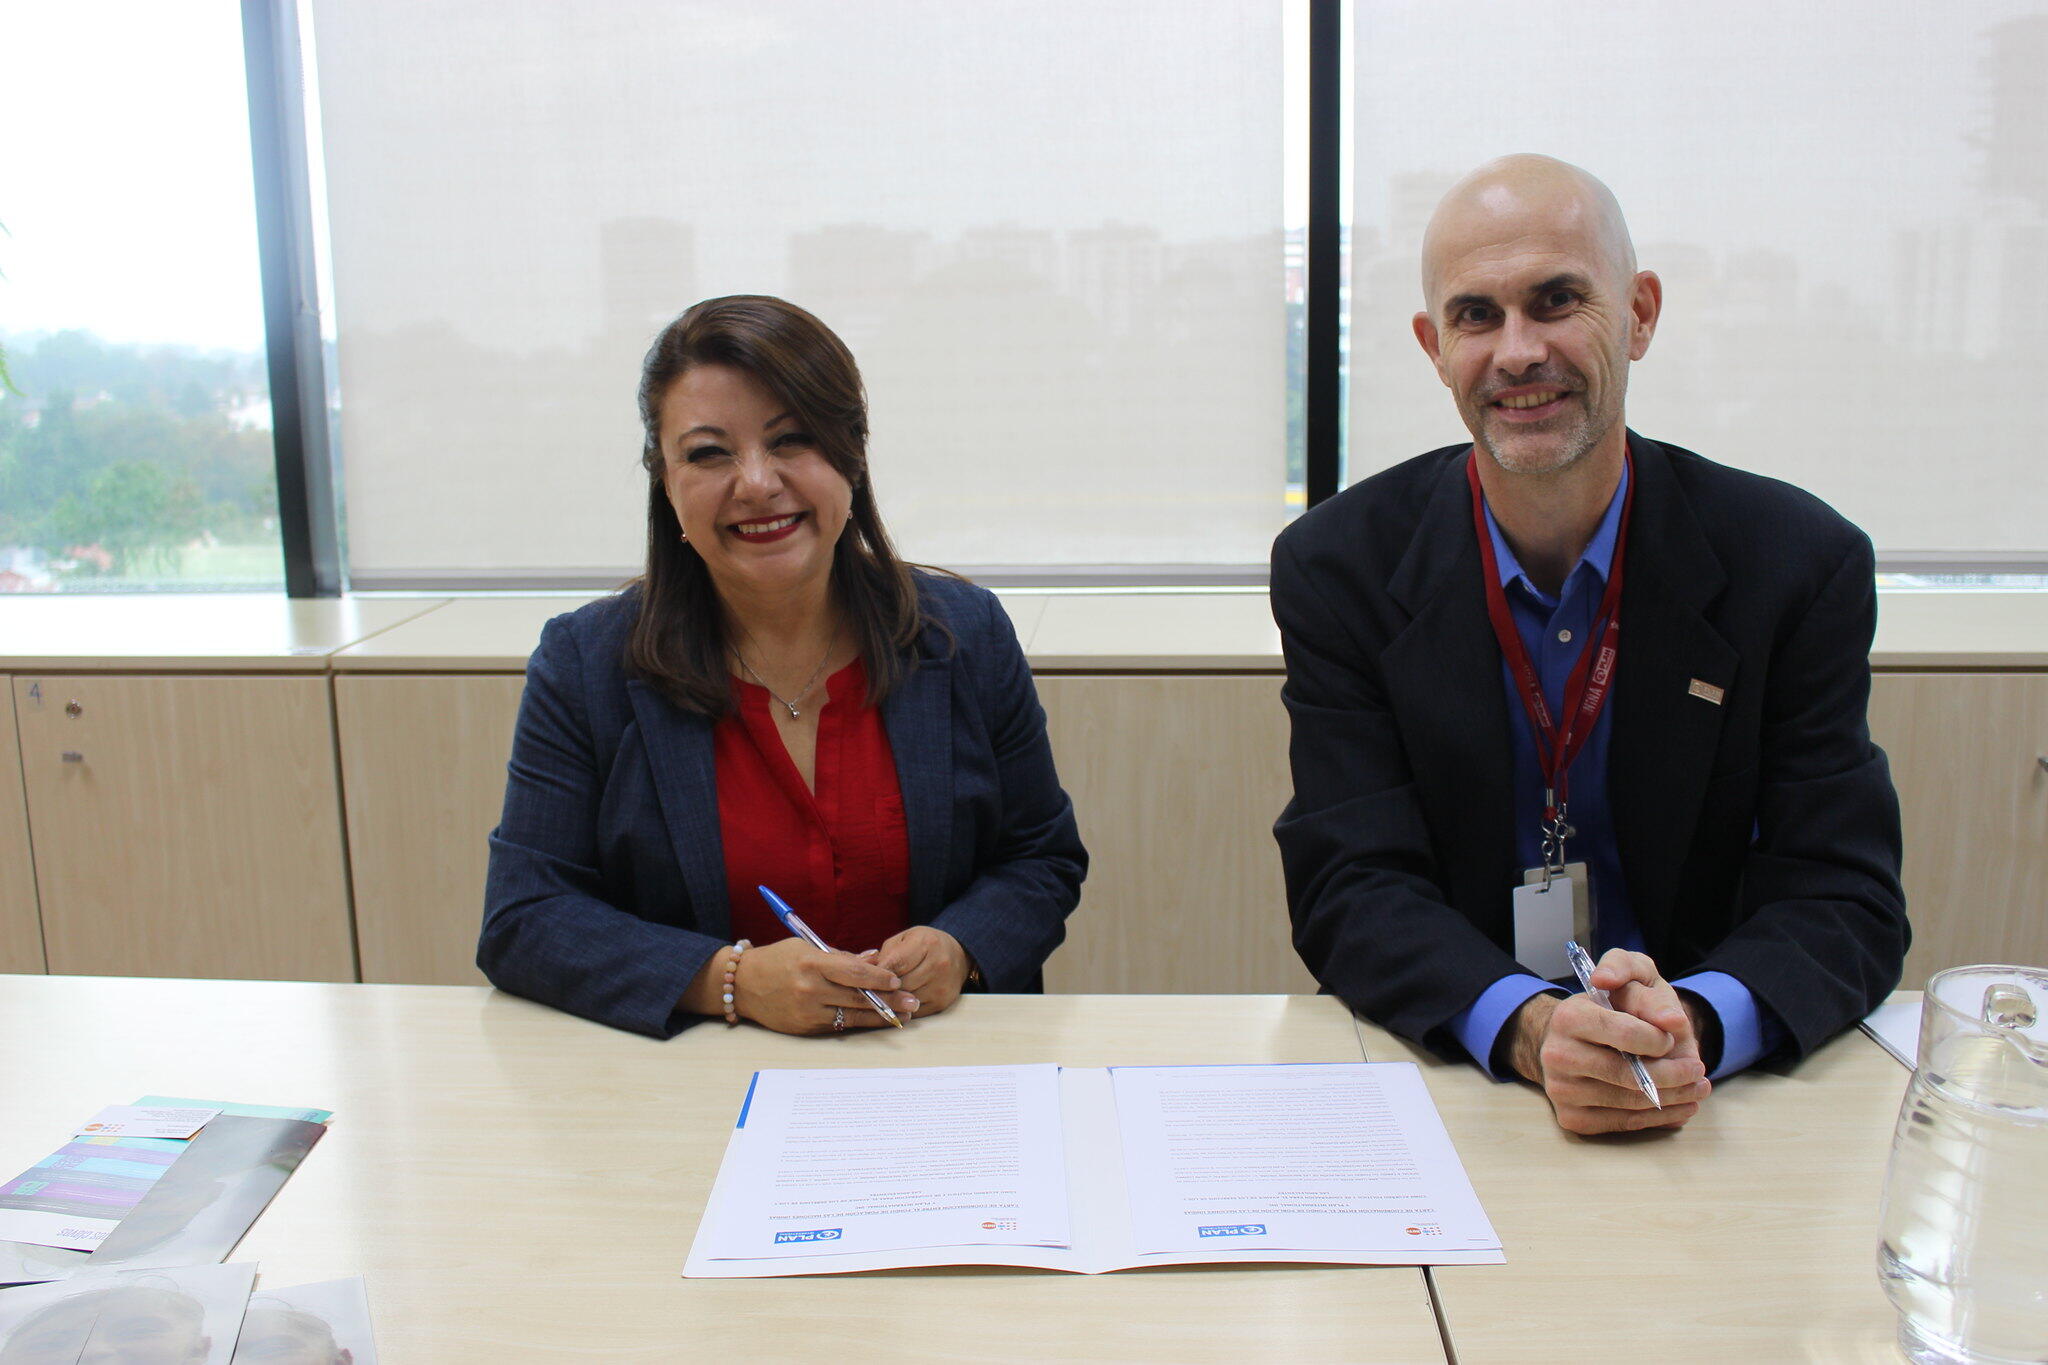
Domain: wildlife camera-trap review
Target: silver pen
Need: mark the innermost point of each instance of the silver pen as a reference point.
(795, 924)
(1582, 967)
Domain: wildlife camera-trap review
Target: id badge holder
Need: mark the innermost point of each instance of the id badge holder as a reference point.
(1543, 921)
(1582, 898)
(1545, 918)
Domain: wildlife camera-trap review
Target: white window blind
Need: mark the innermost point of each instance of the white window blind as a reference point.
(1051, 233)
(1848, 207)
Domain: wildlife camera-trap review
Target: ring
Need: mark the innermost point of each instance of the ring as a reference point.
(838, 1021)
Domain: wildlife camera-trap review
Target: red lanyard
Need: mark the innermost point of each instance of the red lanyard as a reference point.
(1592, 678)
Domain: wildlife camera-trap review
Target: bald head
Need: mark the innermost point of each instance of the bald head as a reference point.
(1517, 196)
(1533, 310)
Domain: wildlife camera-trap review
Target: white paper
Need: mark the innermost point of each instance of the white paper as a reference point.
(850, 1161)
(27, 1263)
(150, 1121)
(184, 1314)
(62, 1231)
(1896, 1026)
(1338, 1157)
(1099, 1208)
(322, 1322)
(1543, 922)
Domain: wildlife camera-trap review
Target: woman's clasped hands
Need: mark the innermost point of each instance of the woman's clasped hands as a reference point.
(791, 987)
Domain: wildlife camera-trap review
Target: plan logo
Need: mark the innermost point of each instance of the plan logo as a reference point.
(1425, 1230)
(812, 1235)
(999, 1225)
(1233, 1230)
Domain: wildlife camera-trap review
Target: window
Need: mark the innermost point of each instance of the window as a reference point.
(135, 446)
(1051, 232)
(1849, 212)
(1063, 238)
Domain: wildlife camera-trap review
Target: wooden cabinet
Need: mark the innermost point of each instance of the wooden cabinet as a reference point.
(1176, 782)
(21, 928)
(186, 826)
(423, 763)
(1966, 755)
(201, 828)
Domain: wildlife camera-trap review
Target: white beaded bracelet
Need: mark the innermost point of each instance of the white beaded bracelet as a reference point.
(732, 967)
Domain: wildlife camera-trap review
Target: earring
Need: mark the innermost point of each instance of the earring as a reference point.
(683, 536)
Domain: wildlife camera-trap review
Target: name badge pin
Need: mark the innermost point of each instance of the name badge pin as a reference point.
(1706, 691)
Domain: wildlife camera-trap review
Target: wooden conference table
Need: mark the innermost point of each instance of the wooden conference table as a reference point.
(1750, 1236)
(516, 1184)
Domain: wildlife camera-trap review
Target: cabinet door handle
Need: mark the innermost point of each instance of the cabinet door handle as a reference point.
(2042, 759)
(73, 756)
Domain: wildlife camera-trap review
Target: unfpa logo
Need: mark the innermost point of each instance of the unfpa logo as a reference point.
(1233, 1230)
(813, 1235)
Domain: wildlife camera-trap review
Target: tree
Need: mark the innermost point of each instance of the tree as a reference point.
(134, 511)
(136, 450)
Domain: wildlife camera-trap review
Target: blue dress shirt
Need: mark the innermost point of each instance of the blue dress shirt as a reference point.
(1555, 630)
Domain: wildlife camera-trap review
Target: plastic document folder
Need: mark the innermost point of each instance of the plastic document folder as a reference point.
(1088, 1170)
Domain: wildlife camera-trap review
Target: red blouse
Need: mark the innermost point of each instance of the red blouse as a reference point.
(839, 856)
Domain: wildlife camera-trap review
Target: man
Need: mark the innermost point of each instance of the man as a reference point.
(1473, 709)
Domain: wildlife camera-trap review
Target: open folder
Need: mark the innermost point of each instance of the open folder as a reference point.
(1089, 1170)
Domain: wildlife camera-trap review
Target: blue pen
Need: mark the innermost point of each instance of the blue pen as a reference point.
(794, 923)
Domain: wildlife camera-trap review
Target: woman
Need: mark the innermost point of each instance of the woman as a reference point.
(778, 701)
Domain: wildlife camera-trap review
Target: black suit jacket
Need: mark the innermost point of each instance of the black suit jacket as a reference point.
(1759, 837)
(607, 890)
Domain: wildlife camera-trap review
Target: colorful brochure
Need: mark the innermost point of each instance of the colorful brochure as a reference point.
(75, 1197)
(208, 1198)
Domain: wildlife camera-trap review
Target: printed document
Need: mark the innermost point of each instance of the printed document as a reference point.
(1325, 1158)
(882, 1160)
(1088, 1170)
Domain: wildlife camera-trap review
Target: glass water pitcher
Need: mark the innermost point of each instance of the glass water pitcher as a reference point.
(1963, 1236)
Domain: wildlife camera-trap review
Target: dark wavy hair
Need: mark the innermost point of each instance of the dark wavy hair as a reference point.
(679, 640)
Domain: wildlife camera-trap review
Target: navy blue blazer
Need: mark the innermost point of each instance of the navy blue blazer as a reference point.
(607, 891)
(1757, 825)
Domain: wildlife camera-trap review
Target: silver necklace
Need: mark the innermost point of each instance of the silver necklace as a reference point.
(788, 703)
